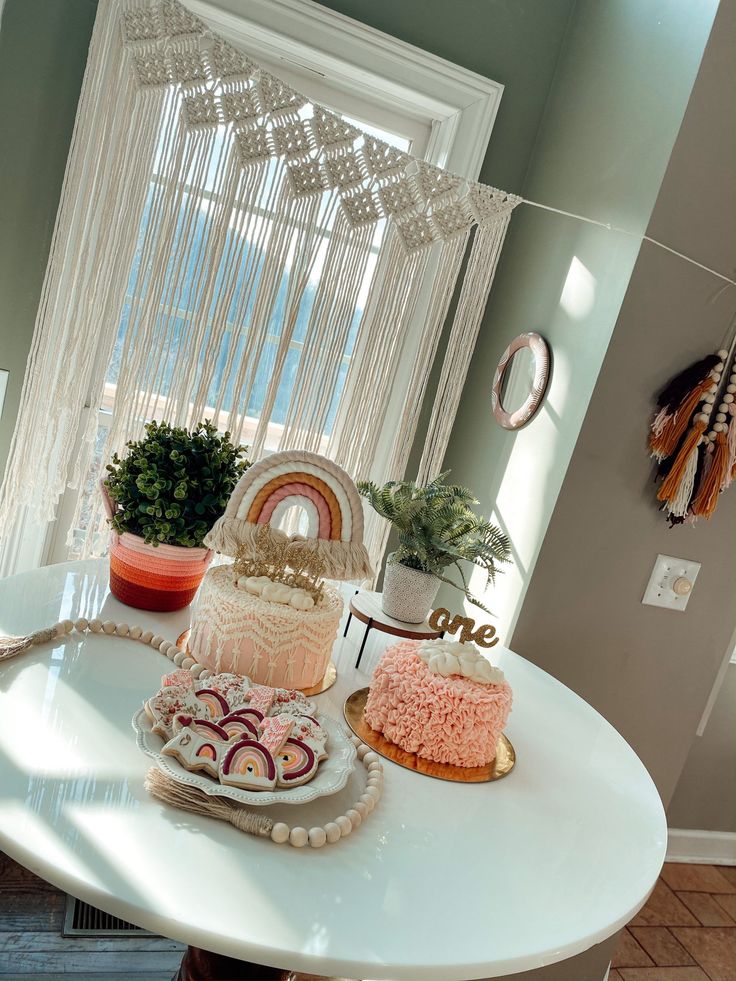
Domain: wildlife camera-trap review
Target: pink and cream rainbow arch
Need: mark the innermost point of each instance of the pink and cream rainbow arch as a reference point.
(325, 492)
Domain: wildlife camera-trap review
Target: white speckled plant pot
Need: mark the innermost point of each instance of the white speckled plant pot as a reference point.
(408, 594)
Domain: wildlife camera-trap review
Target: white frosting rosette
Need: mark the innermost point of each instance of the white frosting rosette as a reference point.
(276, 592)
(448, 657)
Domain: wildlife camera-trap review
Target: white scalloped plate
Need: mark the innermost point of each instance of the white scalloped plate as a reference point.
(332, 774)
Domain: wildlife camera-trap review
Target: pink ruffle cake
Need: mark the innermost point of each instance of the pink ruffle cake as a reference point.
(444, 719)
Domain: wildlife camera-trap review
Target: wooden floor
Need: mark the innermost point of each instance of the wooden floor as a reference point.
(687, 930)
(31, 945)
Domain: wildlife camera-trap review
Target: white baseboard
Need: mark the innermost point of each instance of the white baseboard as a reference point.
(701, 847)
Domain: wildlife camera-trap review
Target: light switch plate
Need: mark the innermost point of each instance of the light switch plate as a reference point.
(661, 589)
(3, 386)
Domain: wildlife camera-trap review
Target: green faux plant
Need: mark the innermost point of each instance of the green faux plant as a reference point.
(437, 528)
(173, 485)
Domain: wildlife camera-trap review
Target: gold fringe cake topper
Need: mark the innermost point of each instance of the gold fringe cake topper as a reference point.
(299, 567)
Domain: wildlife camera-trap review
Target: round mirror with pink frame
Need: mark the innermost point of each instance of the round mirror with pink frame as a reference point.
(520, 380)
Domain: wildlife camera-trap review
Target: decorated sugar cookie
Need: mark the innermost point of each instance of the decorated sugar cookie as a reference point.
(204, 727)
(232, 687)
(290, 703)
(296, 763)
(248, 764)
(240, 726)
(324, 490)
(275, 730)
(261, 697)
(167, 703)
(179, 678)
(311, 732)
(307, 725)
(215, 705)
(254, 714)
(195, 750)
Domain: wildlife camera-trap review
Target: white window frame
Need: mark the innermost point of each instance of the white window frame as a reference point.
(459, 105)
(320, 51)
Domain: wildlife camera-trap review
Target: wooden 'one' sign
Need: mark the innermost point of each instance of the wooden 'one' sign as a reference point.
(483, 636)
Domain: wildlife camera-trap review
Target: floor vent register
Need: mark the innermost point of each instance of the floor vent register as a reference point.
(83, 920)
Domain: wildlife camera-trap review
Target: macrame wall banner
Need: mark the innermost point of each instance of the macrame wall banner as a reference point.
(225, 248)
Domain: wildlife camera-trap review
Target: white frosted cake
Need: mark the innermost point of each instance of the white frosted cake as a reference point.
(271, 642)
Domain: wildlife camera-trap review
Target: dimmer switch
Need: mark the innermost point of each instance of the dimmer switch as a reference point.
(671, 582)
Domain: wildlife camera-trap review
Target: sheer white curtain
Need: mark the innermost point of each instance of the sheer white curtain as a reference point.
(227, 249)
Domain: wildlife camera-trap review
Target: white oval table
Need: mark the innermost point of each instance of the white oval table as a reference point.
(443, 881)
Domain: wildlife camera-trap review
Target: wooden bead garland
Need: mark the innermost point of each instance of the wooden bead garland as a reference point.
(280, 833)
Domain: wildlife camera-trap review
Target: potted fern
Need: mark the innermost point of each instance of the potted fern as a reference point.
(436, 529)
(161, 499)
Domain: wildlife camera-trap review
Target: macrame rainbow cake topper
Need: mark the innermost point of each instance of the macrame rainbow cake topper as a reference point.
(326, 493)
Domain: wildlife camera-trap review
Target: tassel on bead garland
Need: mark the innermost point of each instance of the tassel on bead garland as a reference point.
(669, 428)
(10, 646)
(676, 490)
(693, 438)
(704, 502)
(192, 799)
(731, 442)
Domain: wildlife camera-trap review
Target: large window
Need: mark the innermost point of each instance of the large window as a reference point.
(418, 104)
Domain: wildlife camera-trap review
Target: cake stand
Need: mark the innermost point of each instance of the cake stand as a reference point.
(499, 767)
(366, 607)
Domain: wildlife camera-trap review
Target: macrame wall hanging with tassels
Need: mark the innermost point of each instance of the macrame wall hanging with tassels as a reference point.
(693, 436)
(239, 252)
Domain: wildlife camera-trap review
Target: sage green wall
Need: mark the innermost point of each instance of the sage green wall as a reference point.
(43, 50)
(624, 76)
(514, 43)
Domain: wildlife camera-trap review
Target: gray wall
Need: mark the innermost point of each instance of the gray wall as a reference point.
(43, 50)
(623, 80)
(648, 670)
(705, 796)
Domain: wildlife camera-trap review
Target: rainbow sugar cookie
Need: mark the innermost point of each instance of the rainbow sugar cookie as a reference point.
(248, 764)
(296, 763)
(197, 744)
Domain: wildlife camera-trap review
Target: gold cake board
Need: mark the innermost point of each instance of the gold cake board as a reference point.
(502, 765)
(329, 679)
